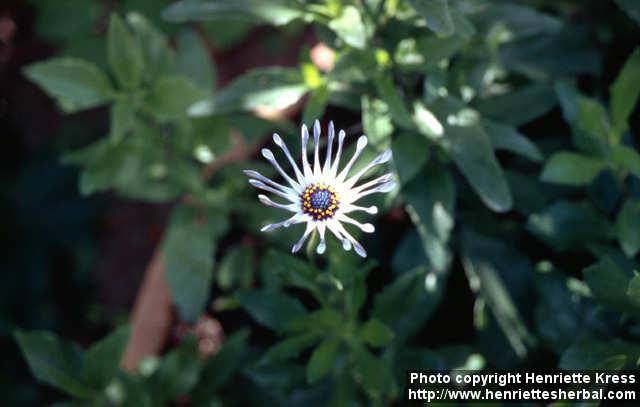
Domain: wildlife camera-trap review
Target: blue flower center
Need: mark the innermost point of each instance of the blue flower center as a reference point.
(320, 201)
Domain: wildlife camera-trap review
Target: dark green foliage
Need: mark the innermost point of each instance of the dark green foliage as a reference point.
(512, 178)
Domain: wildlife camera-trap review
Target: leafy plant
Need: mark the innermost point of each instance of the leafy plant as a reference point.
(452, 87)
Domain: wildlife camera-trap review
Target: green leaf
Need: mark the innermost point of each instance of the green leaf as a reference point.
(479, 267)
(74, 83)
(586, 117)
(270, 308)
(276, 88)
(376, 122)
(609, 283)
(471, 150)
(437, 15)
(592, 119)
(289, 348)
(508, 138)
(633, 291)
(389, 94)
(235, 269)
(350, 27)
(627, 158)
(221, 367)
(375, 333)
(178, 372)
(124, 54)
(373, 374)
(566, 225)
(631, 7)
(156, 54)
(427, 123)
(410, 153)
(102, 360)
(188, 255)
(571, 169)
(520, 106)
(276, 12)
(54, 362)
(322, 359)
(594, 355)
(625, 91)
(628, 227)
(193, 60)
(171, 97)
(404, 304)
(430, 199)
(316, 104)
(122, 121)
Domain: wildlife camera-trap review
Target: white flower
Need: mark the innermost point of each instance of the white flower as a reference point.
(324, 195)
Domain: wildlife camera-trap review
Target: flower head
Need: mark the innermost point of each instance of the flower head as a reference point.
(322, 195)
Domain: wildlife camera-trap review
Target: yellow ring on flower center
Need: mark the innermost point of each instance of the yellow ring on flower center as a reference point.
(320, 201)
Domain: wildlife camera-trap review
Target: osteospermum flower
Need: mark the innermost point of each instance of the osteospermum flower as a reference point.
(322, 195)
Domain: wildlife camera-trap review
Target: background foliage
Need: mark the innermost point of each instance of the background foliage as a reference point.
(511, 242)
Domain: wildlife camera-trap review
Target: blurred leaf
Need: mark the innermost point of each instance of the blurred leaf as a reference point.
(193, 60)
(560, 313)
(124, 54)
(567, 52)
(494, 292)
(528, 193)
(628, 227)
(373, 374)
(270, 308)
(316, 104)
(427, 123)
(66, 21)
(54, 362)
(507, 138)
(389, 94)
(631, 7)
(274, 87)
(102, 360)
(436, 13)
(522, 21)
(122, 121)
(633, 290)
(592, 118)
(609, 284)
(404, 304)
(565, 225)
(156, 54)
(594, 355)
(74, 83)
(410, 153)
(320, 322)
(290, 347)
(350, 27)
(376, 122)
(571, 169)
(178, 372)
(221, 367)
(276, 12)
(430, 202)
(520, 106)
(171, 97)
(292, 270)
(322, 359)
(375, 333)
(188, 255)
(586, 117)
(625, 90)
(471, 150)
(235, 269)
(627, 158)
